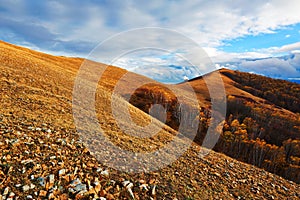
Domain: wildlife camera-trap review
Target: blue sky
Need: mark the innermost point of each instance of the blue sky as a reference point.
(253, 36)
(283, 36)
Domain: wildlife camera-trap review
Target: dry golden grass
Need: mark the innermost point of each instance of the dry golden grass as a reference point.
(37, 88)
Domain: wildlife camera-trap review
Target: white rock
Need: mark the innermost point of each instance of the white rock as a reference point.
(51, 178)
(153, 192)
(105, 173)
(32, 186)
(127, 184)
(99, 169)
(11, 195)
(25, 188)
(6, 190)
(62, 172)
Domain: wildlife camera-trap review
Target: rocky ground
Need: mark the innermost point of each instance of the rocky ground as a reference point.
(42, 157)
(42, 161)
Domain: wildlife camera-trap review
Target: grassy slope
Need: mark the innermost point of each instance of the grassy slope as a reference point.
(37, 88)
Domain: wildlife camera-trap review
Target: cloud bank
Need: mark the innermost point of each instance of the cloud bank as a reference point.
(76, 27)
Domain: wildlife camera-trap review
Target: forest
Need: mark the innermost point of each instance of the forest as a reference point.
(253, 133)
(279, 92)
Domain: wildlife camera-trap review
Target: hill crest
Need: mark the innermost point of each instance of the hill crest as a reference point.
(40, 146)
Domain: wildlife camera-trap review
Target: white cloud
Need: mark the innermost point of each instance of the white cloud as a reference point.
(75, 26)
(274, 67)
(207, 22)
(289, 47)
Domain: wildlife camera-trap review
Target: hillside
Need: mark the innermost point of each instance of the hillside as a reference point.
(256, 131)
(42, 156)
(279, 92)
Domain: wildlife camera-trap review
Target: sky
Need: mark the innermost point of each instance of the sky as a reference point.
(255, 36)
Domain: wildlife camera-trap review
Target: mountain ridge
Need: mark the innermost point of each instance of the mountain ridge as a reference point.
(39, 144)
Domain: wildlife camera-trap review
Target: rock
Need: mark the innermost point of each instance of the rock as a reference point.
(43, 193)
(97, 187)
(6, 190)
(61, 172)
(144, 187)
(25, 188)
(153, 191)
(48, 131)
(51, 178)
(80, 188)
(51, 196)
(128, 185)
(29, 197)
(152, 181)
(99, 169)
(63, 197)
(75, 182)
(110, 197)
(52, 157)
(284, 188)
(11, 195)
(41, 181)
(103, 193)
(105, 173)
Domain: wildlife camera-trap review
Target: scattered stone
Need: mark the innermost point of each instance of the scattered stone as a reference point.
(11, 195)
(103, 193)
(110, 197)
(80, 188)
(42, 181)
(30, 128)
(51, 178)
(43, 193)
(6, 190)
(105, 173)
(32, 186)
(61, 172)
(144, 187)
(128, 185)
(99, 169)
(284, 188)
(25, 188)
(75, 182)
(153, 191)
